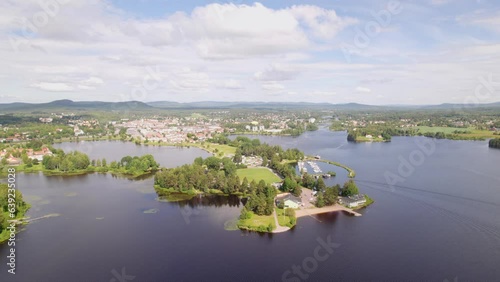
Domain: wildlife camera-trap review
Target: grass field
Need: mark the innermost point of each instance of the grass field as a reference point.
(449, 130)
(218, 148)
(257, 223)
(365, 139)
(446, 130)
(258, 174)
(283, 220)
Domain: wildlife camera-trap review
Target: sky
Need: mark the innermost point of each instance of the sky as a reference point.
(335, 51)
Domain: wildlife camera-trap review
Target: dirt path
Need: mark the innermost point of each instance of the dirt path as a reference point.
(279, 228)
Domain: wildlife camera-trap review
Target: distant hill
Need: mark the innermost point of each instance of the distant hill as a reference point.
(255, 105)
(71, 105)
(458, 106)
(61, 105)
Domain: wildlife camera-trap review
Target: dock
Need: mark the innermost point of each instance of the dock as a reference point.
(334, 208)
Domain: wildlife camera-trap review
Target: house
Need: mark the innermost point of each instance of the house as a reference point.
(13, 161)
(353, 201)
(290, 201)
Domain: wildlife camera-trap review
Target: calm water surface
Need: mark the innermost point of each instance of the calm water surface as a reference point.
(115, 150)
(440, 224)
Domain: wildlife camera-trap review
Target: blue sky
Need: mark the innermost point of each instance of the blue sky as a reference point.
(373, 52)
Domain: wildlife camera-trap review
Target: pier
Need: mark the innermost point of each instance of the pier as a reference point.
(334, 208)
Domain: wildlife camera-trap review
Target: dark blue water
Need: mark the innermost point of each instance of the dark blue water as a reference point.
(440, 222)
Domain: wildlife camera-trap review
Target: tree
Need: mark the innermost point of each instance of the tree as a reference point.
(244, 184)
(198, 161)
(320, 201)
(289, 184)
(113, 165)
(350, 189)
(104, 163)
(245, 214)
(320, 184)
(331, 195)
(238, 158)
(213, 163)
(297, 191)
(229, 166)
(264, 161)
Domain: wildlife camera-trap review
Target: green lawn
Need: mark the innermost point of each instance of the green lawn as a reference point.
(446, 130)
(284, 220)
(365, 139)
(258, 174)
(257, 223)
(218, 148)
(473, 133)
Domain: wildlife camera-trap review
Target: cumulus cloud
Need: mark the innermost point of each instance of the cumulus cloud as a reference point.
(91, 48)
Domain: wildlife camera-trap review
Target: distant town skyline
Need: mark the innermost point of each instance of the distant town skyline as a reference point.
(369, 52)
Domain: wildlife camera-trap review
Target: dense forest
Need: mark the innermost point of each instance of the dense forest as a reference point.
(215, 175)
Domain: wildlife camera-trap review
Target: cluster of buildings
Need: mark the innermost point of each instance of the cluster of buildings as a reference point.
(33, 155)
(170, 130)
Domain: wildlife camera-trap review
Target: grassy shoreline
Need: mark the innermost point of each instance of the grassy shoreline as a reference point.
(369, 201)
(89, 170)
(258, 223)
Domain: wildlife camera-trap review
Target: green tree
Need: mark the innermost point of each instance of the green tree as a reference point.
(245, 214)
(350, 189)
(238, 158)
(320, 201)
(320, 184)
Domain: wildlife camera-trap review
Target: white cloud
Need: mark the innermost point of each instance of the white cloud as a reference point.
(363, 89)
(188, 80)
(277, 73)
(207, 51)
(272, 86)
(53, 86)
(485, 19)
(229, 84)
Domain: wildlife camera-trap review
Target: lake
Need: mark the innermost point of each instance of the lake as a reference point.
(439, 220)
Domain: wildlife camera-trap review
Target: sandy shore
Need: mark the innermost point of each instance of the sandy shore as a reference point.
(313, 211)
